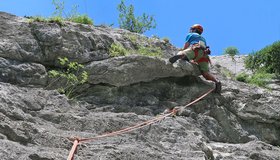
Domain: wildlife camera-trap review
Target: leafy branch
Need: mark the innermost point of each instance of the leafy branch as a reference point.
(73, 76)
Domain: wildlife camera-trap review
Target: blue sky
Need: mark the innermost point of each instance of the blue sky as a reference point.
(248, 25)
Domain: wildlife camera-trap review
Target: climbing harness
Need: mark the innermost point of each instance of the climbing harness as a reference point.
(77, 140)
(196, 47)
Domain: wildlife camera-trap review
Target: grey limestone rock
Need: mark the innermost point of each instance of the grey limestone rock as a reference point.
(36, 124)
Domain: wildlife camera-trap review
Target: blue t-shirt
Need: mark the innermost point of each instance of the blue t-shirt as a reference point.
(193, 38)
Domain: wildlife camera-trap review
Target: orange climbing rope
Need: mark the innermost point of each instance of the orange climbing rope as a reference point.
(77, 141)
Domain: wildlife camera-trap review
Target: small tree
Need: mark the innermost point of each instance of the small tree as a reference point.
(73, 76)
(127, 19)
(232, 51)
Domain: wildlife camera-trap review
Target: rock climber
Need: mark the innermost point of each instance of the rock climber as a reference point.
(196, 51)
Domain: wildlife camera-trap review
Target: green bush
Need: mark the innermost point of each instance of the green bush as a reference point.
(56, 19)
(265, 60)
(127, 19)
(260, 79)
(242, 77)
(133, 39)
(83, 19)
(72, 75)
(117, 49)
(251, 61)
(59, 15)
(264, 63)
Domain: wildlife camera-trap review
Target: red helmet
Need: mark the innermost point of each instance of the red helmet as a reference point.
(198, 28)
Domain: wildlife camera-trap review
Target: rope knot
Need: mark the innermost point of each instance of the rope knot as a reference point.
(73, 139)
(175, 111)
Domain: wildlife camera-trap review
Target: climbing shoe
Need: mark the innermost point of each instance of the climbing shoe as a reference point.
(218, 88)
(174, 58)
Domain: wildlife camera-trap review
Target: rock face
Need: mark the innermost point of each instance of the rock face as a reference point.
(123, 71)
(24, 73)
(234, 64)
(241, 123)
